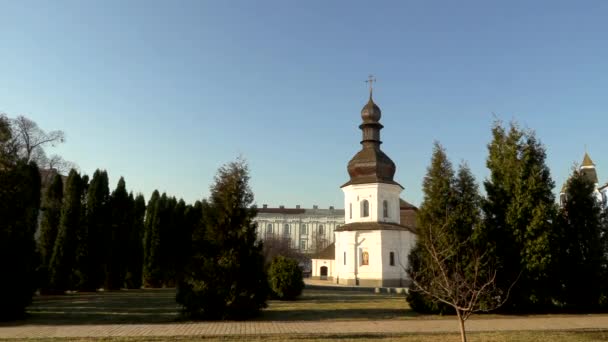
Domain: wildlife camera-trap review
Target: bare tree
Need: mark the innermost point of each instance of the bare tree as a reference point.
(31, 139)
(277, 245)
(457, 275)
(318, 242)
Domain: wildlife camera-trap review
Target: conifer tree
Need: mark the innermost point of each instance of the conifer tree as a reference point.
(19, 206)
(519, 213)
(120, 208)
(151, 271)
(583, 257)
(63, 261)
(135, 249)
(225, 278)
(166, 216)
(49, 225)
(98, 223)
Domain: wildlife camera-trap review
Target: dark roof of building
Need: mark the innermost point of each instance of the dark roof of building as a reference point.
(297, 211)
(327, 253)
(374, 226)
(405, 205)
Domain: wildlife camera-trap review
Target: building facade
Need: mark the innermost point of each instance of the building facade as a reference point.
(307, 229)
(373, 245)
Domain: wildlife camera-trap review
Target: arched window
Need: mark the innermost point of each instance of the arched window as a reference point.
(385, 208)
(321, 229)
(364, 208)
(269, 229)
(286, 230)
(350, 210)
(304, 230)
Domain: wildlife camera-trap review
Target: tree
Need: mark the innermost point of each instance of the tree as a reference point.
(275, 246)
(225, 277)
(118, 233)
(63, 262)
(457, 275)
(152, 270)
(285, 278)
(583, 256)
(135, 249)
(437, 204)
(98, 223)
(19, 206)
(519, 212)
(49, 225)
(31, 139)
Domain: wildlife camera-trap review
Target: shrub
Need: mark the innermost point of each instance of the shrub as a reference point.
(285, 278)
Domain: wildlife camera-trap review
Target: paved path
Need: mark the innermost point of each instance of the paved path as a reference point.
(330, 327)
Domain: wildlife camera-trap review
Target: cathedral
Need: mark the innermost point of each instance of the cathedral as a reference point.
(372, 246)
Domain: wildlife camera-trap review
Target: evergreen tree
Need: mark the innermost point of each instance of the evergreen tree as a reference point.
(49, 225)
(82, 262)
(168, 239)
(19, 206)
(519, 214)
(225, 277)
(135, 249)
(583, 257)
(437, 205)
(151, 272)
(180, 241)
(120, 208)
(63, 262)
(98, 223)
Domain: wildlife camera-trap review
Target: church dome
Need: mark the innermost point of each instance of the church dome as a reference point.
(371, 112)
(371, 165)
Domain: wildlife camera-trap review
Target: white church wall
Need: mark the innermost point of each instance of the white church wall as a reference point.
(400, 243)
(375, 194)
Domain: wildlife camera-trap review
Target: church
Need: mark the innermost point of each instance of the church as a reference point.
(372, 246)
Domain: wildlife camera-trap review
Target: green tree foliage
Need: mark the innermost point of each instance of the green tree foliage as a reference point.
(19, 206)
(49, 225)
(519, 212)
(285, 278)
(583, 255)
(98, 223)
(152, 276)
(82, 263)
(135, 249)
(63, 267)
(118, 233)
(438, 203)
(225, 278)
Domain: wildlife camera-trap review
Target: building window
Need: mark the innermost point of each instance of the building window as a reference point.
(385, 208)
(364, 208)
(321, 229)
(365, 258)
(392, 258)
(286, 230)
(304, 230)
(350, 210)
(344, 258)
(303, 245)
(269, 229)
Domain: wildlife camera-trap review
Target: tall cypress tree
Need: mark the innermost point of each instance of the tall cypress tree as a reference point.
(63, 261)
(519, 214)
(120, 208)
(151, 272)
(49, 225)
(98, 223)
(19, 206)
(168, 241)
(135, 249)
(583, 257)
(225, 277)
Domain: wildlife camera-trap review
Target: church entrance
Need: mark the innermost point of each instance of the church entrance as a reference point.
(323, 273)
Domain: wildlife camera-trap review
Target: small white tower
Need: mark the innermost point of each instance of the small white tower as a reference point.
(372, 247)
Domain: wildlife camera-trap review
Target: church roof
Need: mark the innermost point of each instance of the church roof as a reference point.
(370, 164)
(328, 253)
(404, 205)
(374, 226)
(587, 162)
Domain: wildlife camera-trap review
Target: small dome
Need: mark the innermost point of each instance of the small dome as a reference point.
(371, 165)
(371, 112)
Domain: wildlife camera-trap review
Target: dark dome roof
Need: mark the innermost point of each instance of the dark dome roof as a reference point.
(371, 165)
(371, 112)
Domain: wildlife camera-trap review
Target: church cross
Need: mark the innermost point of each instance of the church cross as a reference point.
(370, 81)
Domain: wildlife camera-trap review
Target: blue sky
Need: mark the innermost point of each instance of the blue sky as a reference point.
(163, 93)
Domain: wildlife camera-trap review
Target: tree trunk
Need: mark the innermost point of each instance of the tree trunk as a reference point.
(463, 334)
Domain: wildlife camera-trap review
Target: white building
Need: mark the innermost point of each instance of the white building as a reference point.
(373, 245)
(305, 228)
